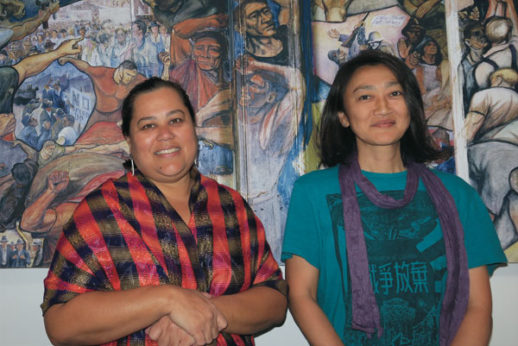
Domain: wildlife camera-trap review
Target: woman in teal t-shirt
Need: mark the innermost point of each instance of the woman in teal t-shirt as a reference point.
(379, 249)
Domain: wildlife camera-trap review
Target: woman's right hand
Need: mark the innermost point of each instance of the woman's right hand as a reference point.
(196, 314)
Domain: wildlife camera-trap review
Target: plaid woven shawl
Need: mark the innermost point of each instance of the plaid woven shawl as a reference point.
(126, 235)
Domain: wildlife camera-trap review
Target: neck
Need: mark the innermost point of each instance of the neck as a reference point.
(381, 160)
(178, 194)
(475, 54)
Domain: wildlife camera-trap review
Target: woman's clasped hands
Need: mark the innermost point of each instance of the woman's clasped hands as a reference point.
(193, 320)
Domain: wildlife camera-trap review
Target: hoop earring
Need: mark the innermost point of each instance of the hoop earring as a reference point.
(132, 167)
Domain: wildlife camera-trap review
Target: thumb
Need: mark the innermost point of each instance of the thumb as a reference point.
(221, 321)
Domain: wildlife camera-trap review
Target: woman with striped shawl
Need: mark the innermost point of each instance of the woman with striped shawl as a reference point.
(162, 255)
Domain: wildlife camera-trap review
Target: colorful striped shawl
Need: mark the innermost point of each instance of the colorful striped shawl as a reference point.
(126, 235)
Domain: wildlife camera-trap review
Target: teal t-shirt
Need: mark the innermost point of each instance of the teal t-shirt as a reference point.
(407, 262)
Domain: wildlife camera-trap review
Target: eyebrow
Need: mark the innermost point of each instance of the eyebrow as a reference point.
(371, 87)
(170, 113)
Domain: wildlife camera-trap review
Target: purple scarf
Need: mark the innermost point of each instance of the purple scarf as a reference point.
(365, 312)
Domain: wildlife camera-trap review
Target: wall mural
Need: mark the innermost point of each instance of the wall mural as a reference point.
(66, 67)
(490, 69)
(257, 73)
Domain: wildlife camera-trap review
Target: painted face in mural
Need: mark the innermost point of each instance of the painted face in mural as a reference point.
(259, 20)
(120, 36)
(161, 138)
(124, 76)
(415, 34)
(257, 97)
(207, 53)
(375, 108)
(431, 48)
(477, 39)
(138, 35)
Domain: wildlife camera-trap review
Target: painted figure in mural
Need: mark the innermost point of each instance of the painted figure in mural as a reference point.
(142, 51)
(354, 42)
(476, 43)
(413, 33)
(65, 176)
(202, 75)
(119, 47)
(37, 253)
(20, 257)
(493, 108)
(506, 222)
(265, 41)
(271, 107)
(364, 218)
(351, 45)
(429, 76)
(5, 252)
(13, 76)
(501, 53)
(492, 129)
(9, 18)
(12, 200)
(111, 85)
(204, 79)
(214, 288)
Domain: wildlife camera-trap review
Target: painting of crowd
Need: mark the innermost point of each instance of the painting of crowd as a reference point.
(66, 67)
(490, 100)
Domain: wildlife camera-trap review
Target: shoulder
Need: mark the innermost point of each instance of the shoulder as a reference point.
(212, 185)
(462, 192)
(318, 177)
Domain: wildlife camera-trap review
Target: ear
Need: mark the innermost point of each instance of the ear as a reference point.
(343, 119)
(128, 142)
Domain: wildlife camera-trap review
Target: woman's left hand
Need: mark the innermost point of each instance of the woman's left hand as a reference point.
(168, 333)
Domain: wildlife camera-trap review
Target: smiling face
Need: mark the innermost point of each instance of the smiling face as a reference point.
(375, 108)
(161, 137)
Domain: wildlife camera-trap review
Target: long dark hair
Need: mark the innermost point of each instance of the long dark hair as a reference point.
(148, 85)
(336, 143)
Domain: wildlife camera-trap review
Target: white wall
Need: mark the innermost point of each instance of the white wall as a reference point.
(21, 324)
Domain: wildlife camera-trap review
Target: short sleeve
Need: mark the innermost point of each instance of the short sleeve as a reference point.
(480, 238)
(301, 236)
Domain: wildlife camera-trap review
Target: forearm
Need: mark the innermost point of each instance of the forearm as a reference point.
(313, 323)
(253, 310)
(34, 64)
(35, 217)
(99, 317)
(475, 329)
(473, 123)
(476, 326)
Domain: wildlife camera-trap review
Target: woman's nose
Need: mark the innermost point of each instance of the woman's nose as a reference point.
(165, 132)
(382, 106)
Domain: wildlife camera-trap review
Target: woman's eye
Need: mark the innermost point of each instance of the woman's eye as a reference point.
(364, 97)
(396, 93)
(147, 126)
(176, 120)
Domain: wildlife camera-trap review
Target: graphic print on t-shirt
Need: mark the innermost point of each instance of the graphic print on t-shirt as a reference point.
(407, 268)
